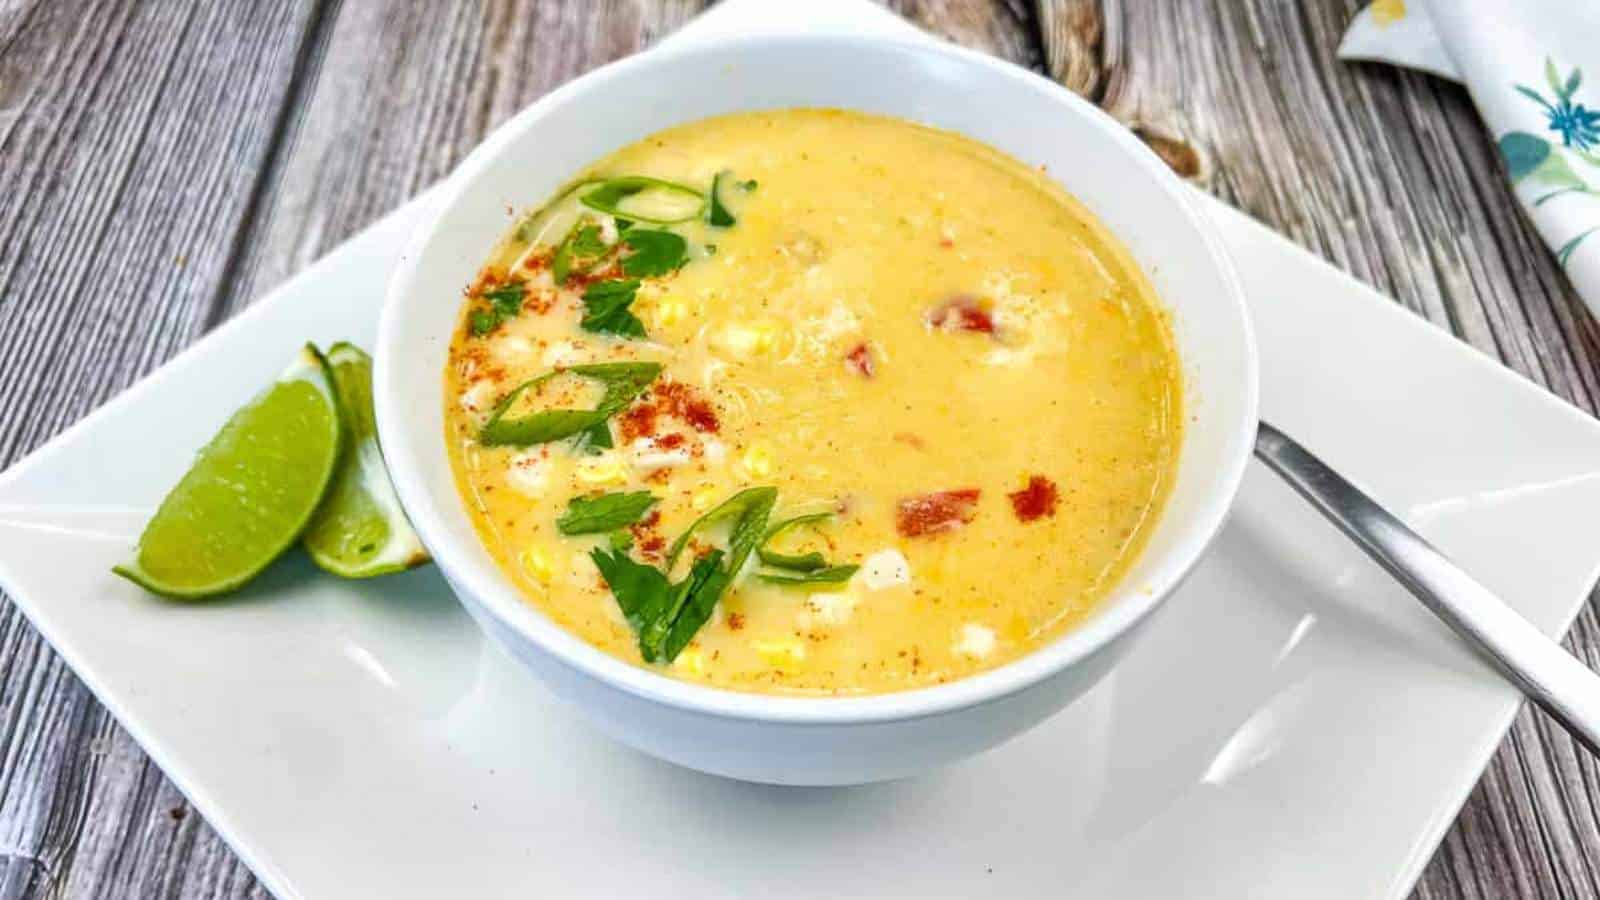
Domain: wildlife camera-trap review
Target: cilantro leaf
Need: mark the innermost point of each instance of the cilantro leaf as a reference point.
(691, 595)
(595, 438)
(607, 512)
(654, 252)
(578, 251)
(482, 321)
(507, 298)
(642, 592)
(505, 302)
(692, 600)
(605, 305)
(708, 582)
(665, 616)
(586, 241)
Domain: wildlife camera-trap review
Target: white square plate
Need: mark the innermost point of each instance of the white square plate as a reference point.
(1294, 725)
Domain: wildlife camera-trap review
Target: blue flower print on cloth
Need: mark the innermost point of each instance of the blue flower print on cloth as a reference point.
(1525, 66)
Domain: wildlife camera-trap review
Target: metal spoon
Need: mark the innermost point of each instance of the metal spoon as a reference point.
(1545, 672)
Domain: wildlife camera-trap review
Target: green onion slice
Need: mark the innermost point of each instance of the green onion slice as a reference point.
(718, 213)
(802, 562)
(640, 198)
(624, 381)
(830, 575)
(750, 506)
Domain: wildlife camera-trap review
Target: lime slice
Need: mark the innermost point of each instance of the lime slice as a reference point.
(250, 492)
(360, 530)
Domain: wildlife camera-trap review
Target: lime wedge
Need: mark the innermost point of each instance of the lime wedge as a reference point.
(250, 492)
(360, 530)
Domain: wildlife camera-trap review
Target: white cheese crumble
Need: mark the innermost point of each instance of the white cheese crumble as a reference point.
(478, 396)
(976, 641)
(512, 348)
(606, 467)
(563, 353)
(743, 341)
(885, 569)
(1015, 313)
(830, 609)
(838, 322)
(711, 373)
(529, 473)
(648, 457)
(1007, 356)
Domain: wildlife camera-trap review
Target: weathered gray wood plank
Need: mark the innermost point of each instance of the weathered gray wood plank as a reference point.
(405, 91)
(341, 113)
(1390, 176)
(1004, 28)
(132, 138)
(328, 115)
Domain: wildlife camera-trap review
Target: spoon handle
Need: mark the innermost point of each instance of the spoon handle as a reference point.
(1545, 672)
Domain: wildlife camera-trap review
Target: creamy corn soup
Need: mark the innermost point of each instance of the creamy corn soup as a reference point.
(813, 402)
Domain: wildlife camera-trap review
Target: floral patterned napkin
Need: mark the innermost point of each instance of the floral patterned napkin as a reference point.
(1525, 65)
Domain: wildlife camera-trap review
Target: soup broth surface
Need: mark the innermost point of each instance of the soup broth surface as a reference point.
(901, 328)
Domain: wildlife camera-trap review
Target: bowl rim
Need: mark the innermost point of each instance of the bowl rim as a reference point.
(493, 596)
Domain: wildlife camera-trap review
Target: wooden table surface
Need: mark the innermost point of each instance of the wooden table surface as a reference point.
(163, 164)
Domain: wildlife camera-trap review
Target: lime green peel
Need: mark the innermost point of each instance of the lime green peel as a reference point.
(360, 531)
(250, 492)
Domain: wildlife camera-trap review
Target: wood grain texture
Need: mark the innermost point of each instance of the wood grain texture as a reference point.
(201, 153)
(132, 137)
(404, 91)
(1389, 175)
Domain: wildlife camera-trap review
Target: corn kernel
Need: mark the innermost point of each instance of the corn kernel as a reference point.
(702, 499)
(829, 608)
(537, 561)
(712, 372)
(745, 341)
(766, 337)
(976, 641)
(478, 396)
(757, 461)
(691, 660)
(670, 311)
(606, 469)
(779, 653)
(512, 348)
(528, 473)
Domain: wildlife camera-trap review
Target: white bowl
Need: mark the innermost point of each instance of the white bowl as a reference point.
(791, 740)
